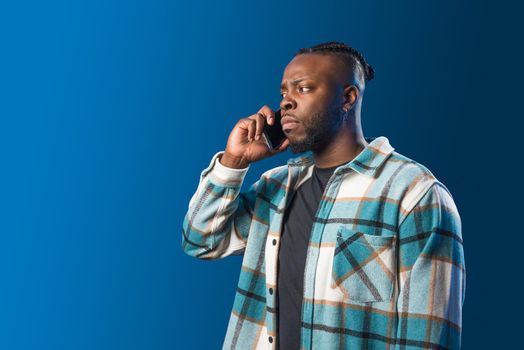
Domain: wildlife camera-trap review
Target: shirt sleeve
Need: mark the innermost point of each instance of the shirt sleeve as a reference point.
(432, 274)
(219, 215)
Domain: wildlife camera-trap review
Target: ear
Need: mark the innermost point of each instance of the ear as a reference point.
(350, 97)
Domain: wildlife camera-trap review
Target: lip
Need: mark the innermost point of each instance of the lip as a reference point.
(288, 122)
(288, 117)
(289, 126)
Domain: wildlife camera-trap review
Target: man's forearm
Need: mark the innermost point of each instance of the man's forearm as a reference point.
(217, 225)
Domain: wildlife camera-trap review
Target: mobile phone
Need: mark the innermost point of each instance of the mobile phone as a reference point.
(273, 134)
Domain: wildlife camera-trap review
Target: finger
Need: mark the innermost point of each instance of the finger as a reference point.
(282, 146)
(245, 125)
(251, 129)
(261, 121)
(268, 113)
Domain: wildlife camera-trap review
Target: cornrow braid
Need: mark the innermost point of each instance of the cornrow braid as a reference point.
(346, 52)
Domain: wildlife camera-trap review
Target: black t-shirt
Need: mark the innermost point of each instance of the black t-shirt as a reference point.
(294, 240)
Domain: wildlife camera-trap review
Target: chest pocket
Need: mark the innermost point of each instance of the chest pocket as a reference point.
(364, 265)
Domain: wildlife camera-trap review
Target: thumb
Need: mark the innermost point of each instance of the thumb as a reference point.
(282, 146)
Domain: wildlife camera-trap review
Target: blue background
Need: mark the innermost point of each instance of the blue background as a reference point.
(111, 109)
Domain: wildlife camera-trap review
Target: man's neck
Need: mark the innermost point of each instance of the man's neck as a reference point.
(345, 146)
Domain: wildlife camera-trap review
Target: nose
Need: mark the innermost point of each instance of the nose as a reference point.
(287, 103)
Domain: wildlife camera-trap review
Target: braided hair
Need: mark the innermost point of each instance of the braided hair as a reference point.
(351, 56)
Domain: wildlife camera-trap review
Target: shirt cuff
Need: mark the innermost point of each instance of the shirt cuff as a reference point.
(224, 174)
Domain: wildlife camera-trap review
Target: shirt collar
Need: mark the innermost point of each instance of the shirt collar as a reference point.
(366, 162)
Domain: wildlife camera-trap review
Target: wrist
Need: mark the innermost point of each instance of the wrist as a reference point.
(230, 161)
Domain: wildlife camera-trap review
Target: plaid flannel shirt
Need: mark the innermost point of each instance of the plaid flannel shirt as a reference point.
(385, 263)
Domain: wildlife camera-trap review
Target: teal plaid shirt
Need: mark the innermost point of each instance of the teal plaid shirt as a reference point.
(385, 263)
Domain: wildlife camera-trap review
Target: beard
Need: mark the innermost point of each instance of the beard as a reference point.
(319, 131)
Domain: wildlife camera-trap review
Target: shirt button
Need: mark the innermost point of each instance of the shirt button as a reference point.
(270, 339)
(274, 242)
(271, 291)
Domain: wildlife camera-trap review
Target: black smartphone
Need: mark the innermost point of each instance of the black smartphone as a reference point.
(273, 134)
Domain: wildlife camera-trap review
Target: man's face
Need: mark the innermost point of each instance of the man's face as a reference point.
(312, 94)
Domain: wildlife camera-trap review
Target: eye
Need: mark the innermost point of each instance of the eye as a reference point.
(282, 94)
(303, 89)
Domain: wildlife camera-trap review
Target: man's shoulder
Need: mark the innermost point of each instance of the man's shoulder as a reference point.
(409, 177)
(403, 167)
(278, 173)
(281, 171)
(401, 175)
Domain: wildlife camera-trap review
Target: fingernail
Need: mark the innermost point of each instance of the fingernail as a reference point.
(257, 137)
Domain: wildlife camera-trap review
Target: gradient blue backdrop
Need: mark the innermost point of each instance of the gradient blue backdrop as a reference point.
(110, 110)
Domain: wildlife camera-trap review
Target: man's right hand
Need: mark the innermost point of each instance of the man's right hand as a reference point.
(246, 144)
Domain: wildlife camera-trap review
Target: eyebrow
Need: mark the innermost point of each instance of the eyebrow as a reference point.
(295, 82)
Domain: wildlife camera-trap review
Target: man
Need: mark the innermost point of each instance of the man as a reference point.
(349, 246)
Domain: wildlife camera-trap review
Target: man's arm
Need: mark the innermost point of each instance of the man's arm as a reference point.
(432, 274)
(219, 215)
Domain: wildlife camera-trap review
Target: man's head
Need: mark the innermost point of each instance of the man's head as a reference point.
(322, 90)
